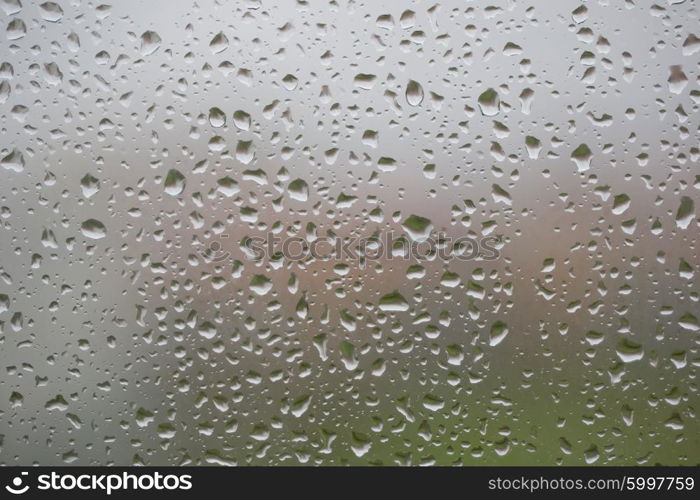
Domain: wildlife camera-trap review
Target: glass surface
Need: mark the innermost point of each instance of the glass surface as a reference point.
(301, 232)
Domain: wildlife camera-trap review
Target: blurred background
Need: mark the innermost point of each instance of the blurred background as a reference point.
(142, 142)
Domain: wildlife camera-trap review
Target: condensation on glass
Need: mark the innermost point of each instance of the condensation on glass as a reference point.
(349, 232)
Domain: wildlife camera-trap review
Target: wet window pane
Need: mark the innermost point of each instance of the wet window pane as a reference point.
(349, 232)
